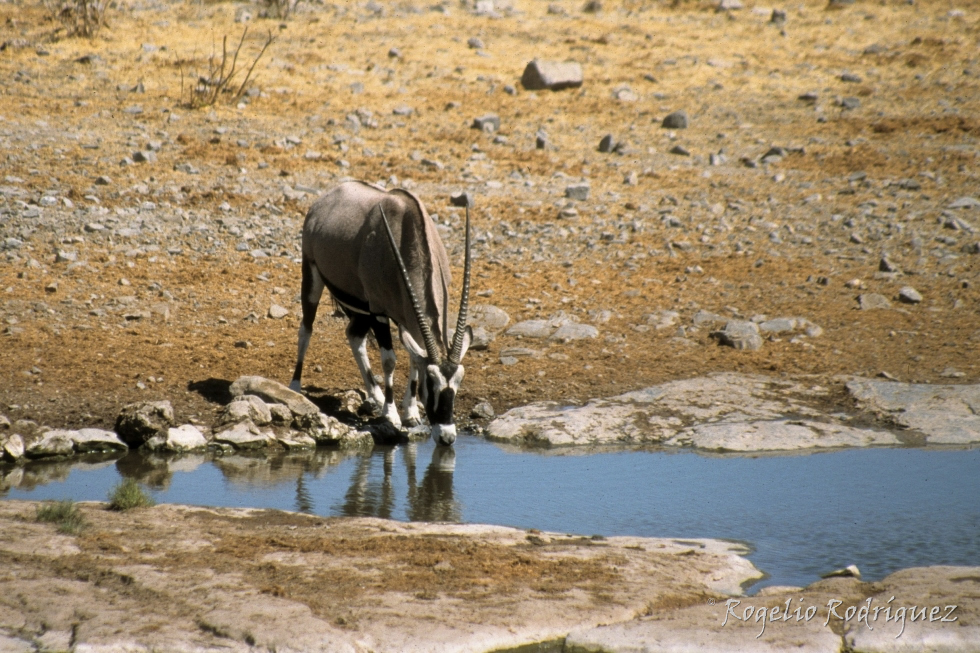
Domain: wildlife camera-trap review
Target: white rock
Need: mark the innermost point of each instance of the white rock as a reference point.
(56, 442)
(246, 435)
(88, 440)
(186, 437)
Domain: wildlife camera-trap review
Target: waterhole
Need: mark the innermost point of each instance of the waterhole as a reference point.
(802, 515)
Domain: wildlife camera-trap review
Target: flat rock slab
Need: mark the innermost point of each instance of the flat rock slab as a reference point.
(185, 578)
(813, 619)
(734, 412)
(943, 414)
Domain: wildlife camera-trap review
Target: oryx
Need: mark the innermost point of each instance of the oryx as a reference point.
(379, 255)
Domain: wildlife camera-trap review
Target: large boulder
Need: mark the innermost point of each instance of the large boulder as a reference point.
(273, 392)
(93, 440)
(247, 407)
(11, 447)
(141, 421)
(56, 442)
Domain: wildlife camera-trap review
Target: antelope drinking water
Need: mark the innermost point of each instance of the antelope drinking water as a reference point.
(379, 255)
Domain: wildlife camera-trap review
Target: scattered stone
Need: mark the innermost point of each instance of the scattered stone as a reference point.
(873, 301)
(277, 312)
(739, 334)
(483, 410)
(680, 150)
(676, 120)
(703, 317)
(662, 319)
(578, 192)
(487, 123)
(555, 76)
(607, 144)
(490, 317)
(573, 331)
(850, 571)
(779, 325)
(850, 78)
(965, 203)
(886, 265)
(141, 421)
(532, 329)
(909, 295)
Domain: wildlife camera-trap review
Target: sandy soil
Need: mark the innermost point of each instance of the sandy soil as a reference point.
(780, 239)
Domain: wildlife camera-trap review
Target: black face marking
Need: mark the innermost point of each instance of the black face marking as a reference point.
(389, 395)
(414, 388)
(444, 411)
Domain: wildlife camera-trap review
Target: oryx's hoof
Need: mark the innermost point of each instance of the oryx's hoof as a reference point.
(390, 414)
(411, 421)
(295, 386)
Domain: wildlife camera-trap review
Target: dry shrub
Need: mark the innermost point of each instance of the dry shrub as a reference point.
(222, 69)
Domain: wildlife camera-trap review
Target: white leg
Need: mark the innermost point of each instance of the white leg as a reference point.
(358, 345)
(410, 407)
(388, 365)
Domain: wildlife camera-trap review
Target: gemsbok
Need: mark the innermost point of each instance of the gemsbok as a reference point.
(381, 258)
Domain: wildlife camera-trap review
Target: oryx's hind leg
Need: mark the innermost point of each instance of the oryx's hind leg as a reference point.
(410, 407)
(311, 291)
(382, 333)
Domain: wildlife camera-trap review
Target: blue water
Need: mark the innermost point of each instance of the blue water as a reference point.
(881, 509)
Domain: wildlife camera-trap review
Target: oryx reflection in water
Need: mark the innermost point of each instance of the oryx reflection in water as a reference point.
(431, 499)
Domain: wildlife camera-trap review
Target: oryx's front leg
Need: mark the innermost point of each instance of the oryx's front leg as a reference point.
(382, 333)
(410, 407)
(357, 330)
(311, 291)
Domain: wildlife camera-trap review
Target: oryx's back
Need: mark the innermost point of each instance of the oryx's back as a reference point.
(344, 236)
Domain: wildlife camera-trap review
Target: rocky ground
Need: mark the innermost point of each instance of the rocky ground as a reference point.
(831, 162)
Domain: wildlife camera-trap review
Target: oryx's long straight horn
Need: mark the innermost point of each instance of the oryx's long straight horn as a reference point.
(431, 348)
(464, 299)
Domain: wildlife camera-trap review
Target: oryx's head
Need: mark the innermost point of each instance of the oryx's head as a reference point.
(443, 369)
